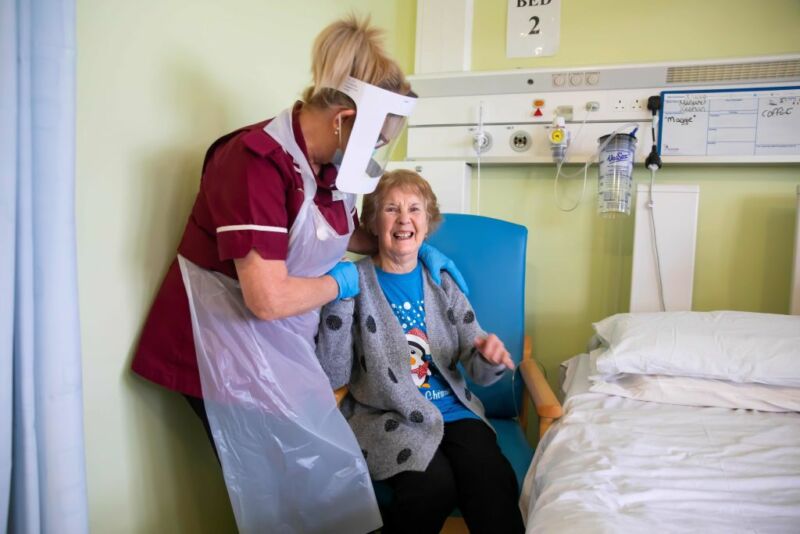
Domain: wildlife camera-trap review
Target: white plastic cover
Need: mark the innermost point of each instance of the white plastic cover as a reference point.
(290, 460)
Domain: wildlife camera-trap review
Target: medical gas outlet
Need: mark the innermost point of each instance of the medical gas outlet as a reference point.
(559, 139)
(481, 141)
(520, 141)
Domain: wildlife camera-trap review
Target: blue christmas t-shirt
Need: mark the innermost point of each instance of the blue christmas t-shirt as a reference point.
(405, 295)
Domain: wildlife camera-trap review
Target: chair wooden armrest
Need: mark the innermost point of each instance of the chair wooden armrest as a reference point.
(340, 394)
(547, 406)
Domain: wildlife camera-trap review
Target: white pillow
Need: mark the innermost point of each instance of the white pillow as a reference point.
(689, 391)
(725, 345)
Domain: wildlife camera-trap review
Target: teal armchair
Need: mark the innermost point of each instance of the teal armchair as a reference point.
(491, 254)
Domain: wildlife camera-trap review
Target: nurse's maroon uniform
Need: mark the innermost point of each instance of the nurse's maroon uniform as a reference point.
(250, 194)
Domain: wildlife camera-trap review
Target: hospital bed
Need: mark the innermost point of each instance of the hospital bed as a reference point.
(701, 445)
(620, 465)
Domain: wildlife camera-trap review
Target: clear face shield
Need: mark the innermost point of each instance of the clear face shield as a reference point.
(380, 118)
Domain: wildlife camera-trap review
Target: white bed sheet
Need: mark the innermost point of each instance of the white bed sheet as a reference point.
(617, 465)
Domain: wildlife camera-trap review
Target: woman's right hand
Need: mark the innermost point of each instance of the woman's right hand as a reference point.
(493, 350)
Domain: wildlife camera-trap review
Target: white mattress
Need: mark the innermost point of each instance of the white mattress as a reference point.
(619, 465)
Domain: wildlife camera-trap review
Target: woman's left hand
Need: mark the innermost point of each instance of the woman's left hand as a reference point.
(493, 350)
(435, 261)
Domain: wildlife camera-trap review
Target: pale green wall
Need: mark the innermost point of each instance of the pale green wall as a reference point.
(158, 80)
(578, 263)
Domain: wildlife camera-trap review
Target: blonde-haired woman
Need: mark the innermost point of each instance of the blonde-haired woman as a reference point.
(269, 213)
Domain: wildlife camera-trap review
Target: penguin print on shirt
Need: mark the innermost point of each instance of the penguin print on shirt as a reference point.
(420, 357)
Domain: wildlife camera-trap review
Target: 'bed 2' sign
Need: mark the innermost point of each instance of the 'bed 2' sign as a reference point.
(534, 28)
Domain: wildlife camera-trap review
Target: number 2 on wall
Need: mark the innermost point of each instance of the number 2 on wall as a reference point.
(535, 29)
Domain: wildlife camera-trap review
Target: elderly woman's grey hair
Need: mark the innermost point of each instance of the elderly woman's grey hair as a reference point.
(408, 181)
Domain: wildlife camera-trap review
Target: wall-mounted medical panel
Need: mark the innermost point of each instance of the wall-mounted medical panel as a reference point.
(517, 125)
(516, 109)
(620, 105)
(511, 144)
(670, 75)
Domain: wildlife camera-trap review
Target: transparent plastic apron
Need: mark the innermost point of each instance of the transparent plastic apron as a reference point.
(290, 460)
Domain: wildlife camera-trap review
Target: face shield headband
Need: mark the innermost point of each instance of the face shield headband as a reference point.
(380, 118)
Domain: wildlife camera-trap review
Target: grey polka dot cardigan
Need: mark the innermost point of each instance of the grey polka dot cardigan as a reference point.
(361, 344)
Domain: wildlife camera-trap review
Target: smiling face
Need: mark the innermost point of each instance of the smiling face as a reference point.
(401, 225)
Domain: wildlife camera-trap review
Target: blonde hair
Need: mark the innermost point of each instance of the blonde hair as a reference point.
(350, 47)
(409, 181)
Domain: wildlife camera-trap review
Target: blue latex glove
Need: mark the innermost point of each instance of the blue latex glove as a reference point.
(346, 275)
(435, 261)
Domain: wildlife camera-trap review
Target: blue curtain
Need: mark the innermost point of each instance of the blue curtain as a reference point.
(42, 468)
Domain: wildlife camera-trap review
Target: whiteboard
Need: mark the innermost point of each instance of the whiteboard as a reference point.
(752, 124)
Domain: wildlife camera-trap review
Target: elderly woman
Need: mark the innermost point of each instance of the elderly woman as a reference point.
(397, 345)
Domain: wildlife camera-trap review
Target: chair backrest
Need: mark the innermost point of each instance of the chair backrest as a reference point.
(490, 253)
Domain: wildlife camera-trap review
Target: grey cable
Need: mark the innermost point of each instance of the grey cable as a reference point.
(651, 208)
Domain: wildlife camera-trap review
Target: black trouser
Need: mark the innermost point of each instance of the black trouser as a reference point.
(468, 471)
(199, 407)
